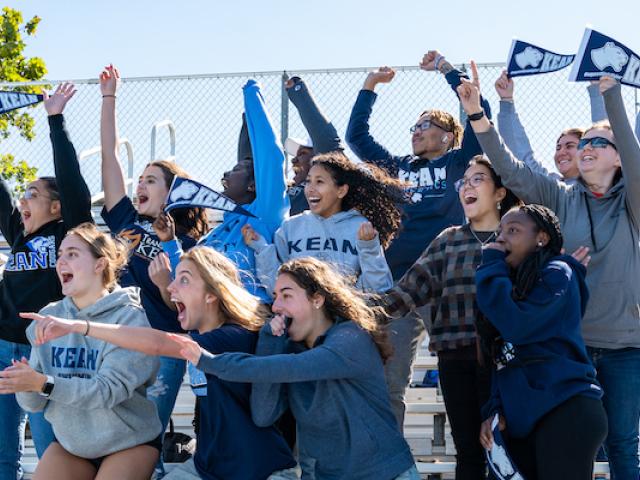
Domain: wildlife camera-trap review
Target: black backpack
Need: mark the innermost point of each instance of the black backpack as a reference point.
(177, 447)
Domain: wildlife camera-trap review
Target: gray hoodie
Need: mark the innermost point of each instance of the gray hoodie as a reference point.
(333, 240)
(609, 226)
(98, 405)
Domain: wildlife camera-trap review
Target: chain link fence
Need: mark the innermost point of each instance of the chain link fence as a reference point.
(206, 112)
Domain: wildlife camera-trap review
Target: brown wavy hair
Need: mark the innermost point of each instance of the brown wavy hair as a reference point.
(189, 221)
(341, 301)
(372, 192)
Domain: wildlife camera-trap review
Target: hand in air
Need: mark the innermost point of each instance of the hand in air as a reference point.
(55, 103)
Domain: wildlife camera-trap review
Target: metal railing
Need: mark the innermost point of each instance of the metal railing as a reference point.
(129, 179)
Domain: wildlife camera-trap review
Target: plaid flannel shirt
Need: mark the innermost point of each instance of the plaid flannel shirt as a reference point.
(444, 279)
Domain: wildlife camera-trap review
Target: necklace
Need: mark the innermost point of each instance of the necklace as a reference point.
(489, 238)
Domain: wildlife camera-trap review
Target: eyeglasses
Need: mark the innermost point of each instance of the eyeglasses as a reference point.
(474, 180)
(33, 194)
(596, 142)
(425, 126)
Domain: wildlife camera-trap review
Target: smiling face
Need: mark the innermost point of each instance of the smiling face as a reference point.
(478, 194)
(566, 156)
(432, 142)
(292, 301)
(79, 272)
(239, 184)
(323, 193)
(520, 237)
(193, 301)
(301, 164)
(151, 191)
(37, 206)
(598, 165)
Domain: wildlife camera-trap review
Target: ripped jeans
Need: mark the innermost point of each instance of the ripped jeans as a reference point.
(165, 391)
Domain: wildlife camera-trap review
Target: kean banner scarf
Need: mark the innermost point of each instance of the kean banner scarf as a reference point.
(601, 55)
(187, 193)
(528, 59)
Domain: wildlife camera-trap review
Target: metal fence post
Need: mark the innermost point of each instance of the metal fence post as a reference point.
(462, 115)
(284, 110)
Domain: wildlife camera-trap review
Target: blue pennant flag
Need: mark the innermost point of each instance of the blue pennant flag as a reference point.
(13, 100)
(601, 55)
(187, 193)
(528, 59)
(498, 458)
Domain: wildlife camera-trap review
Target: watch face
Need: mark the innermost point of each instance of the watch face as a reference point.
(48, 387)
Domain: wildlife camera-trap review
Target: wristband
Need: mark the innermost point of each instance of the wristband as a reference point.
(476, 116)
(105, 96)
(436, 64)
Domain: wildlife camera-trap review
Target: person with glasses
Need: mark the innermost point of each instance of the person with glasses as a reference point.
(443, 281)
(440, 155)
(34, 230)
(602, 212)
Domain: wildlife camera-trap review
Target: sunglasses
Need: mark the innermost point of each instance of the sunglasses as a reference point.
(425, 126)
(596, 142)
(474, 181)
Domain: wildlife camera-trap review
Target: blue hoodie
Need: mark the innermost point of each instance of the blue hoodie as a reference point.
(435, 201)
(270, 205)
(548, 362)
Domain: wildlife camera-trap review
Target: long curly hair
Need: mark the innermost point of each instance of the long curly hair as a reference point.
(341, 301)
(372, 192)
(189, 221)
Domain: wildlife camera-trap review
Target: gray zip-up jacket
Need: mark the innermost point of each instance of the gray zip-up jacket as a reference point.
(98, 404)
(609, 226)
(333, 240)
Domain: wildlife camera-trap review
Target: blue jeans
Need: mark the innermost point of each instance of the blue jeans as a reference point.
(619, 375)
(13, 420)
(165, 391)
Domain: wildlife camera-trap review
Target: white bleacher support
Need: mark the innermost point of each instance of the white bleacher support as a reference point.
(128, 180)
(172, 140)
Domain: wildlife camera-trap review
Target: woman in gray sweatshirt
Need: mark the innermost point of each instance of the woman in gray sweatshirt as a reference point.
(96, 403)
(602, 212)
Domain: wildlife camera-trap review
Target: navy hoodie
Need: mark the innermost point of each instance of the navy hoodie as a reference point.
(547, 362)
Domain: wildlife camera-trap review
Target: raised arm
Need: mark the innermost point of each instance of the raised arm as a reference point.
(244, 143)
(358, 134)
(598, 112)
(323, 134)
(113, 180)
(375, 275)
(268, 159)
(75, 198)
(10, 219)
(269, 256)
(626, 143)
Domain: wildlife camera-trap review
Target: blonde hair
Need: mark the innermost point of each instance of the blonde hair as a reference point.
(102, 245)
(221, 278)
(340, 299)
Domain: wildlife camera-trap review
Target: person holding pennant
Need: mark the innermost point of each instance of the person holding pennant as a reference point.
(148, 268)
(601, 211)
(34, 230)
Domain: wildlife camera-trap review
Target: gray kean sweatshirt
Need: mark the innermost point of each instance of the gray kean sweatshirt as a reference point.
(333, 240)
(609, 226)
(98, 405)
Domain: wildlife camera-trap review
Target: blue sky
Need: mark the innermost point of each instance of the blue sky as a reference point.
(148, 38)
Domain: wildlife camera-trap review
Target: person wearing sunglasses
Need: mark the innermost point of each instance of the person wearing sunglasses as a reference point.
(34, 230)
(602, 212)
(440, 154)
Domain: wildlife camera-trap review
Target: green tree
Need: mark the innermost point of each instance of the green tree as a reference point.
(15, 67)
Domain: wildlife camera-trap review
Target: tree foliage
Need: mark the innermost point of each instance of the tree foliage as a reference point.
(15, 67)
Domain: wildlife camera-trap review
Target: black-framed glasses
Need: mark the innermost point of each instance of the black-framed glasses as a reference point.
(474, 180)
(596, 142)
(422, 126)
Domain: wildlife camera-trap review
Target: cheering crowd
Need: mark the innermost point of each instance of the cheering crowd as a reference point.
(300, 323)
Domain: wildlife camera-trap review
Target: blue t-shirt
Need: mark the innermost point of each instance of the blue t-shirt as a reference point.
(144, 245)
(230, 445)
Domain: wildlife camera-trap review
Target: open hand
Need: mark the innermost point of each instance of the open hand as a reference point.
(55, 103)
(20, 377)
(49, 328)
(581, 254)
(189, 348)
(109, 80)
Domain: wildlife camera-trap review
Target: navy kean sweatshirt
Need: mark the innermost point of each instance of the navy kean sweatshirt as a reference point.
(548, 363)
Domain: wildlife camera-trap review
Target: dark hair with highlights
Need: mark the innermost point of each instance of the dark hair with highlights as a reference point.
(189, 221)
(371, 191)
(341, 301)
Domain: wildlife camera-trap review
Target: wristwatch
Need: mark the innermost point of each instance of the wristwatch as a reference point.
(47, 388)
(476, 116)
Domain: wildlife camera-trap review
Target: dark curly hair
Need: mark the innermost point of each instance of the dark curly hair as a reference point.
(189, 221)
(372, 192)
(341, 301)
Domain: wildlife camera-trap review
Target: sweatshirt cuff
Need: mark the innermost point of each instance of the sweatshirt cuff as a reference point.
(507, 107)
(205, 362)
(369, 245)
(56, 122)
(492, 255)
(258, 245)
(172, 247)
(613, 91)
(369, 95)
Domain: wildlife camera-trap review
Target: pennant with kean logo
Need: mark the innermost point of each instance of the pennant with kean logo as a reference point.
(601, 55)
(13, 100)
(498, 459)
(187, 193)
(527, 59)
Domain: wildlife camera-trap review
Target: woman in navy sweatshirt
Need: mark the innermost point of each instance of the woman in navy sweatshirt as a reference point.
(544, 387)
